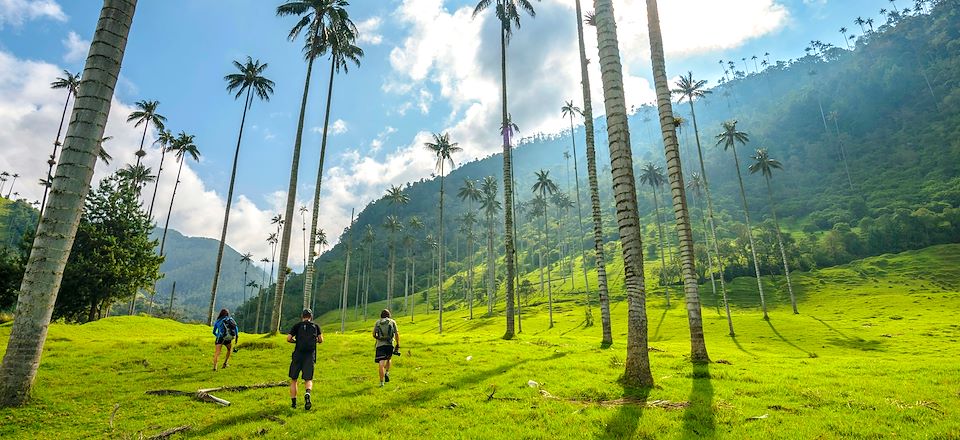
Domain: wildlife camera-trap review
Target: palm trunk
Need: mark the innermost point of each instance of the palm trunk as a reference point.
(706, 240)
(440, 252)
(713, 228)
(244, 291)
(346, 279)
(604, 296)
(140, 152)
(843, 154)
(698, 347)
(546, 244)
(356, 295)
(583, 252)
(507, 192)
(166, 225)
(663, 263)
(637, 363)
(309, 270)
(491, 268)
(53, 157)
(783, 252)
(226, 215)
(390, 272)
(413, 286)
(51, 248)
(470, 268)
(753, 249)
(156, 182)
(288, 214)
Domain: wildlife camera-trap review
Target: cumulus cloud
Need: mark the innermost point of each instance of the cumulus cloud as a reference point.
(16, 12)
(338, 127)
(77, 48)
(29, 115)
(368, 31)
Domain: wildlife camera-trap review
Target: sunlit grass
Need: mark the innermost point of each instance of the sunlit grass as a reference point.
(872, 355)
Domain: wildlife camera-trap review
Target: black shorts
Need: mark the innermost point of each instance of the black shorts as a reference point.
(384, 353)
(301, 364)
(220, 341)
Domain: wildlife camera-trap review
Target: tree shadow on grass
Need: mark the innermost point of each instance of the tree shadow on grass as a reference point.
(656, 332)
(263, 416)
(831, 328)
(790, 343)
(624, 423)
(740, 347)
(699, 418)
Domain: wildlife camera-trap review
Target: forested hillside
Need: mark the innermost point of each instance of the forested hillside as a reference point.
(869, 140)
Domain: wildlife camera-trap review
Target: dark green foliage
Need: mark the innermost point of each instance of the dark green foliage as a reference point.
(112, 256)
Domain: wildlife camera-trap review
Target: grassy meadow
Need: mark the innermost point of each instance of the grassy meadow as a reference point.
(873, 354)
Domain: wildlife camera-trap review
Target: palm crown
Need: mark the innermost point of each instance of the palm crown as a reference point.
(508, 12)
(730, 136)
(184, 146)
(570, 110)
(689, 88)
(249, 76)
(396, 196)
(469, 191)
(443, 149)
(651, 174)
(544, 185)
(146, 113)
(764, 163)
(67, 81)
(326, 21)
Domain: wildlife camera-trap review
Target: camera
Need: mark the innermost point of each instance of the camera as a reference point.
(396, 351)
(236, 349)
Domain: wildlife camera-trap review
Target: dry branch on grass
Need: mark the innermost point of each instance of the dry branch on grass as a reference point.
(204, 395)
(166, 434)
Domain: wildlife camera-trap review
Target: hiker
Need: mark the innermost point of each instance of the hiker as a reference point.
(226, 333)
(385, 331)
(306, 334)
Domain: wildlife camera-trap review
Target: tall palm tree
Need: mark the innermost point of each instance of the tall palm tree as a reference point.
(470, 193)
(14, 182)
(165, 138)
(393, 225)
(765, 164)
(443, 149)
(835, 117)
(253, 285)
(260, 292)
(70, 82)
(415, 225)
(571, 111)
(146, 114)
(671, 149)
(695, 185)
(508, 13)
(369, 238)
(603, 295)
(395, 197)
(860, 22)
(693, 89)
(467, 220)
(319, 20)
(729, 137)
(652, 175)
(544, 187)
(637, 363)
(344, 299)
(340, 33)
(490, 207)
(245, 260)
(182, 148)
(303, 231)
(843, 31)
(44, 268)
(249, 81)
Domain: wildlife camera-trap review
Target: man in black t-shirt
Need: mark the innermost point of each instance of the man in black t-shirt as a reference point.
(306, 335)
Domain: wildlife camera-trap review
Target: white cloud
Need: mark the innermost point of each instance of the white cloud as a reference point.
(367, 31)
(29, 115)
(16, 12)
(77, 48)
(339, 127)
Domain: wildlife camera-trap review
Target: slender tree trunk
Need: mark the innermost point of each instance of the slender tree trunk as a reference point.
(413, 286)
(391, 269)
(698, 347)
(173, 291)
(53, 157)
(440, 252)
(491, 268)
(244, 291)
(546, 244)
(604, 296)
(637, 363)
(583, 252)
(843, 154)
(156, 182)
(226, 215)
(51, 247)
(508, 233)
(783, 252)
(663, 263)
(356, 295)
(166, 224)
(470, 268)
(753, 249)
(288, 213)
(346, 279)
(140, 152)
(309, 270)
(706, 240)
(406, 282)
(713, 228)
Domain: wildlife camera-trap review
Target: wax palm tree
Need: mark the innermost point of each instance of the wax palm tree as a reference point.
(319, 21)
(56, 232)
(165, 139)
(691, 89)
(490, 207)
(467, 220)
(249, 82)
(245, 260)
(443, 149)
(508, 13)
(146, 114)
(843, 31)
(339, 38)
(569, 110)
(695, 187)
(869, 22)
(263, 286)
(860, 22)
(765, 164)
(603, 295)
(136, 175)
(14, 182)
(835, 117)
(70, 82)
(637, 363)
(544, 187)
(183, 148)
(470, 193)
(395, 197)
(652, 175)
(729, 138)
(415, 225)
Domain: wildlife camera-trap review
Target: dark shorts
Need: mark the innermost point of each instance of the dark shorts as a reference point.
(384, 353)
(220, 341)
(301, 364)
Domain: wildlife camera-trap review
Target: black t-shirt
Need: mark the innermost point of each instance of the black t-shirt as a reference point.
(305, 332)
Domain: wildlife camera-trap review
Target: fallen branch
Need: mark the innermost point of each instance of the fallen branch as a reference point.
(204, 395)
(245, 387)
(113, 414)
(166, 434)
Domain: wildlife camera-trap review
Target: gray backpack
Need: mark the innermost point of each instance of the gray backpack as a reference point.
(384, 330)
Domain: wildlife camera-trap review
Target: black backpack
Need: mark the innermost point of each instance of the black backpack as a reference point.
(229, 329)
(307, 337)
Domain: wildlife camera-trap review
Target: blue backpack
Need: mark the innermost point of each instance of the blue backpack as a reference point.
(225, 329)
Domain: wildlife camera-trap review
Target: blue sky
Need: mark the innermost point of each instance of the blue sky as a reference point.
(428, 67)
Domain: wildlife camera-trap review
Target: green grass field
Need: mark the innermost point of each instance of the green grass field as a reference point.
(873, 354)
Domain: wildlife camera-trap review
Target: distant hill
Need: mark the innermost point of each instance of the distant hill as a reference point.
(189, 263)
(16, 218)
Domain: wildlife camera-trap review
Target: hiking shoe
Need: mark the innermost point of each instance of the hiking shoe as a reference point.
(381, 384)
(306, 402)
(225, 365)
(386, 377)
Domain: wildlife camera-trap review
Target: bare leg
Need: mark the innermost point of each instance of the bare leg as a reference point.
(227, 358)
(382, 366)
(216, 355)
(388, 366)
(308, 384)
(293, 388)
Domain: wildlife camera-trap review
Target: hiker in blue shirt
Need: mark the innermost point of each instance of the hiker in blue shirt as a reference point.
(306, 334)
(226, 333)
(385, 332)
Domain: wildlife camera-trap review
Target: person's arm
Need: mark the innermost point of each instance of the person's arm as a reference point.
(319, 335)
(290, 337)
(396, 335)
